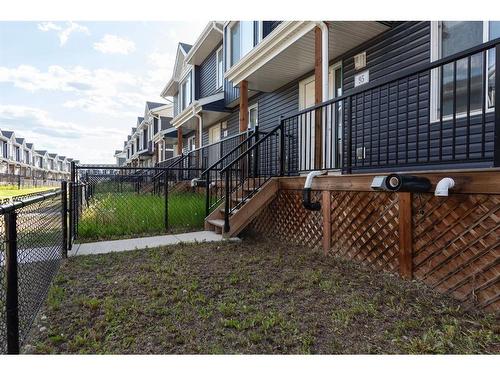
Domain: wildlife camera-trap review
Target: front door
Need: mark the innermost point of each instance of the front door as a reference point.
(213, 151)
(331, 117)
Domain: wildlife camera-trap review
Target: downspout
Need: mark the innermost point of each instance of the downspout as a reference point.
(200, 125)
(324, 58)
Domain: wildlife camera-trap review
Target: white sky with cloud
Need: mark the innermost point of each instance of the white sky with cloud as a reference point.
(114, 44)
(79, 87)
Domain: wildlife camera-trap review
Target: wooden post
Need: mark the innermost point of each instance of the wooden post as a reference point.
(243, 106)
(405, 236)
(179, 141)
(327, 221)
(197, 138)
(318, 98)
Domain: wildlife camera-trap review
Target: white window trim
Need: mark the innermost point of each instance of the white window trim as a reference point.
(181, 91)
(436, 51)
(229, 27)
(331, 80)
(218, 77)
(256, 107)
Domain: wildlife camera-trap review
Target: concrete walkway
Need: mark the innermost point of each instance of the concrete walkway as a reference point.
(103, 247)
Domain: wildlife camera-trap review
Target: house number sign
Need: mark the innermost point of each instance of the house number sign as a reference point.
(362, 78)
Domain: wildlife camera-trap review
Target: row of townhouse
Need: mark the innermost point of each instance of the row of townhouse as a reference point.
(392, 95)
(151, 140)
(20, 158)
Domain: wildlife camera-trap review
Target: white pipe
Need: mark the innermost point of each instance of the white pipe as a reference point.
(324, 58)
(443, 186)
(310, 177)
(200, 125)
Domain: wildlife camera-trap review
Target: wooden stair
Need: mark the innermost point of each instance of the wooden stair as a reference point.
(242, 216)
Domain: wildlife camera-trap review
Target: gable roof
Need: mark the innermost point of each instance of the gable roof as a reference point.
(152, 105)
(180, 56)
(41, 152)
(139, 120)
(7, 133)
(186, 47)
(20, 140)
(29, 145)
(52, 155)
(208, 40)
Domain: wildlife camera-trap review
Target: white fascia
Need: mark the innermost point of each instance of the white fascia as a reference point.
(282, 37)
(201, 39)
(188, 112)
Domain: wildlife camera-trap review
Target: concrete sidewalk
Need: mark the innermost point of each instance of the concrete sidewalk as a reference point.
(104, 247)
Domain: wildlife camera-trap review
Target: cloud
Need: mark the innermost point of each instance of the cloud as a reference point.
(63, 32)
(103, 91)
(113, 44)
(88, 143)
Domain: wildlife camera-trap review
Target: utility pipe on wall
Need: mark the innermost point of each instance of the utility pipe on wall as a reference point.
(306, 192)
(200, 126)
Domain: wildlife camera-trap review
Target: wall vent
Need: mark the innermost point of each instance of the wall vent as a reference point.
(360, 60)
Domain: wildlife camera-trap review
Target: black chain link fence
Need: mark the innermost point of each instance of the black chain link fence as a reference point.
(120, 202)
(32, 243)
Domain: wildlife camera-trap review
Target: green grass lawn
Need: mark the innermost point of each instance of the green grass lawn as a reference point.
(121, 215)
(248, 297)
(8, 191)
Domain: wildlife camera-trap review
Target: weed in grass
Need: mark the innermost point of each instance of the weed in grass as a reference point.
(55, 297)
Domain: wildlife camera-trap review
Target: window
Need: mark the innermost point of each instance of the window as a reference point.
(186, 92)
(220, 71)
(448, 38)
(192, 143)
(243, 36)
(253, 116)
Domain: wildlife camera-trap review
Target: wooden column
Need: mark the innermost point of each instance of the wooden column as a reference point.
(197, 134)
(405, 236)
(327, 221)
(243, 106)
(318, 98)
(179, 141)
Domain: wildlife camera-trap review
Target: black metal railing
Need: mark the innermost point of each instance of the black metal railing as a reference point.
(33, 234)
(436, 113)
(255, 163)
(213, 179)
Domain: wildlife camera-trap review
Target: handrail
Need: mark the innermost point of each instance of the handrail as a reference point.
(256, 144)
(234, 149)
(421, 68)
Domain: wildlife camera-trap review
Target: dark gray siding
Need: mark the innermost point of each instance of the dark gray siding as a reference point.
(208, 75)
(392, 122)
(282, 102)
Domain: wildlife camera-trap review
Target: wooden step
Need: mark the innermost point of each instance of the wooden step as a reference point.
(217, 222)
(217, 225)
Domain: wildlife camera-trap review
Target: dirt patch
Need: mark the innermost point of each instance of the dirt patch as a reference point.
(248, 297)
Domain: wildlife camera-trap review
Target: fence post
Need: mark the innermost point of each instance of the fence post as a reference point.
(165, 192)
(405, 235)
(11, 300)
(207, 190)
(70, 215)
(64, 212)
